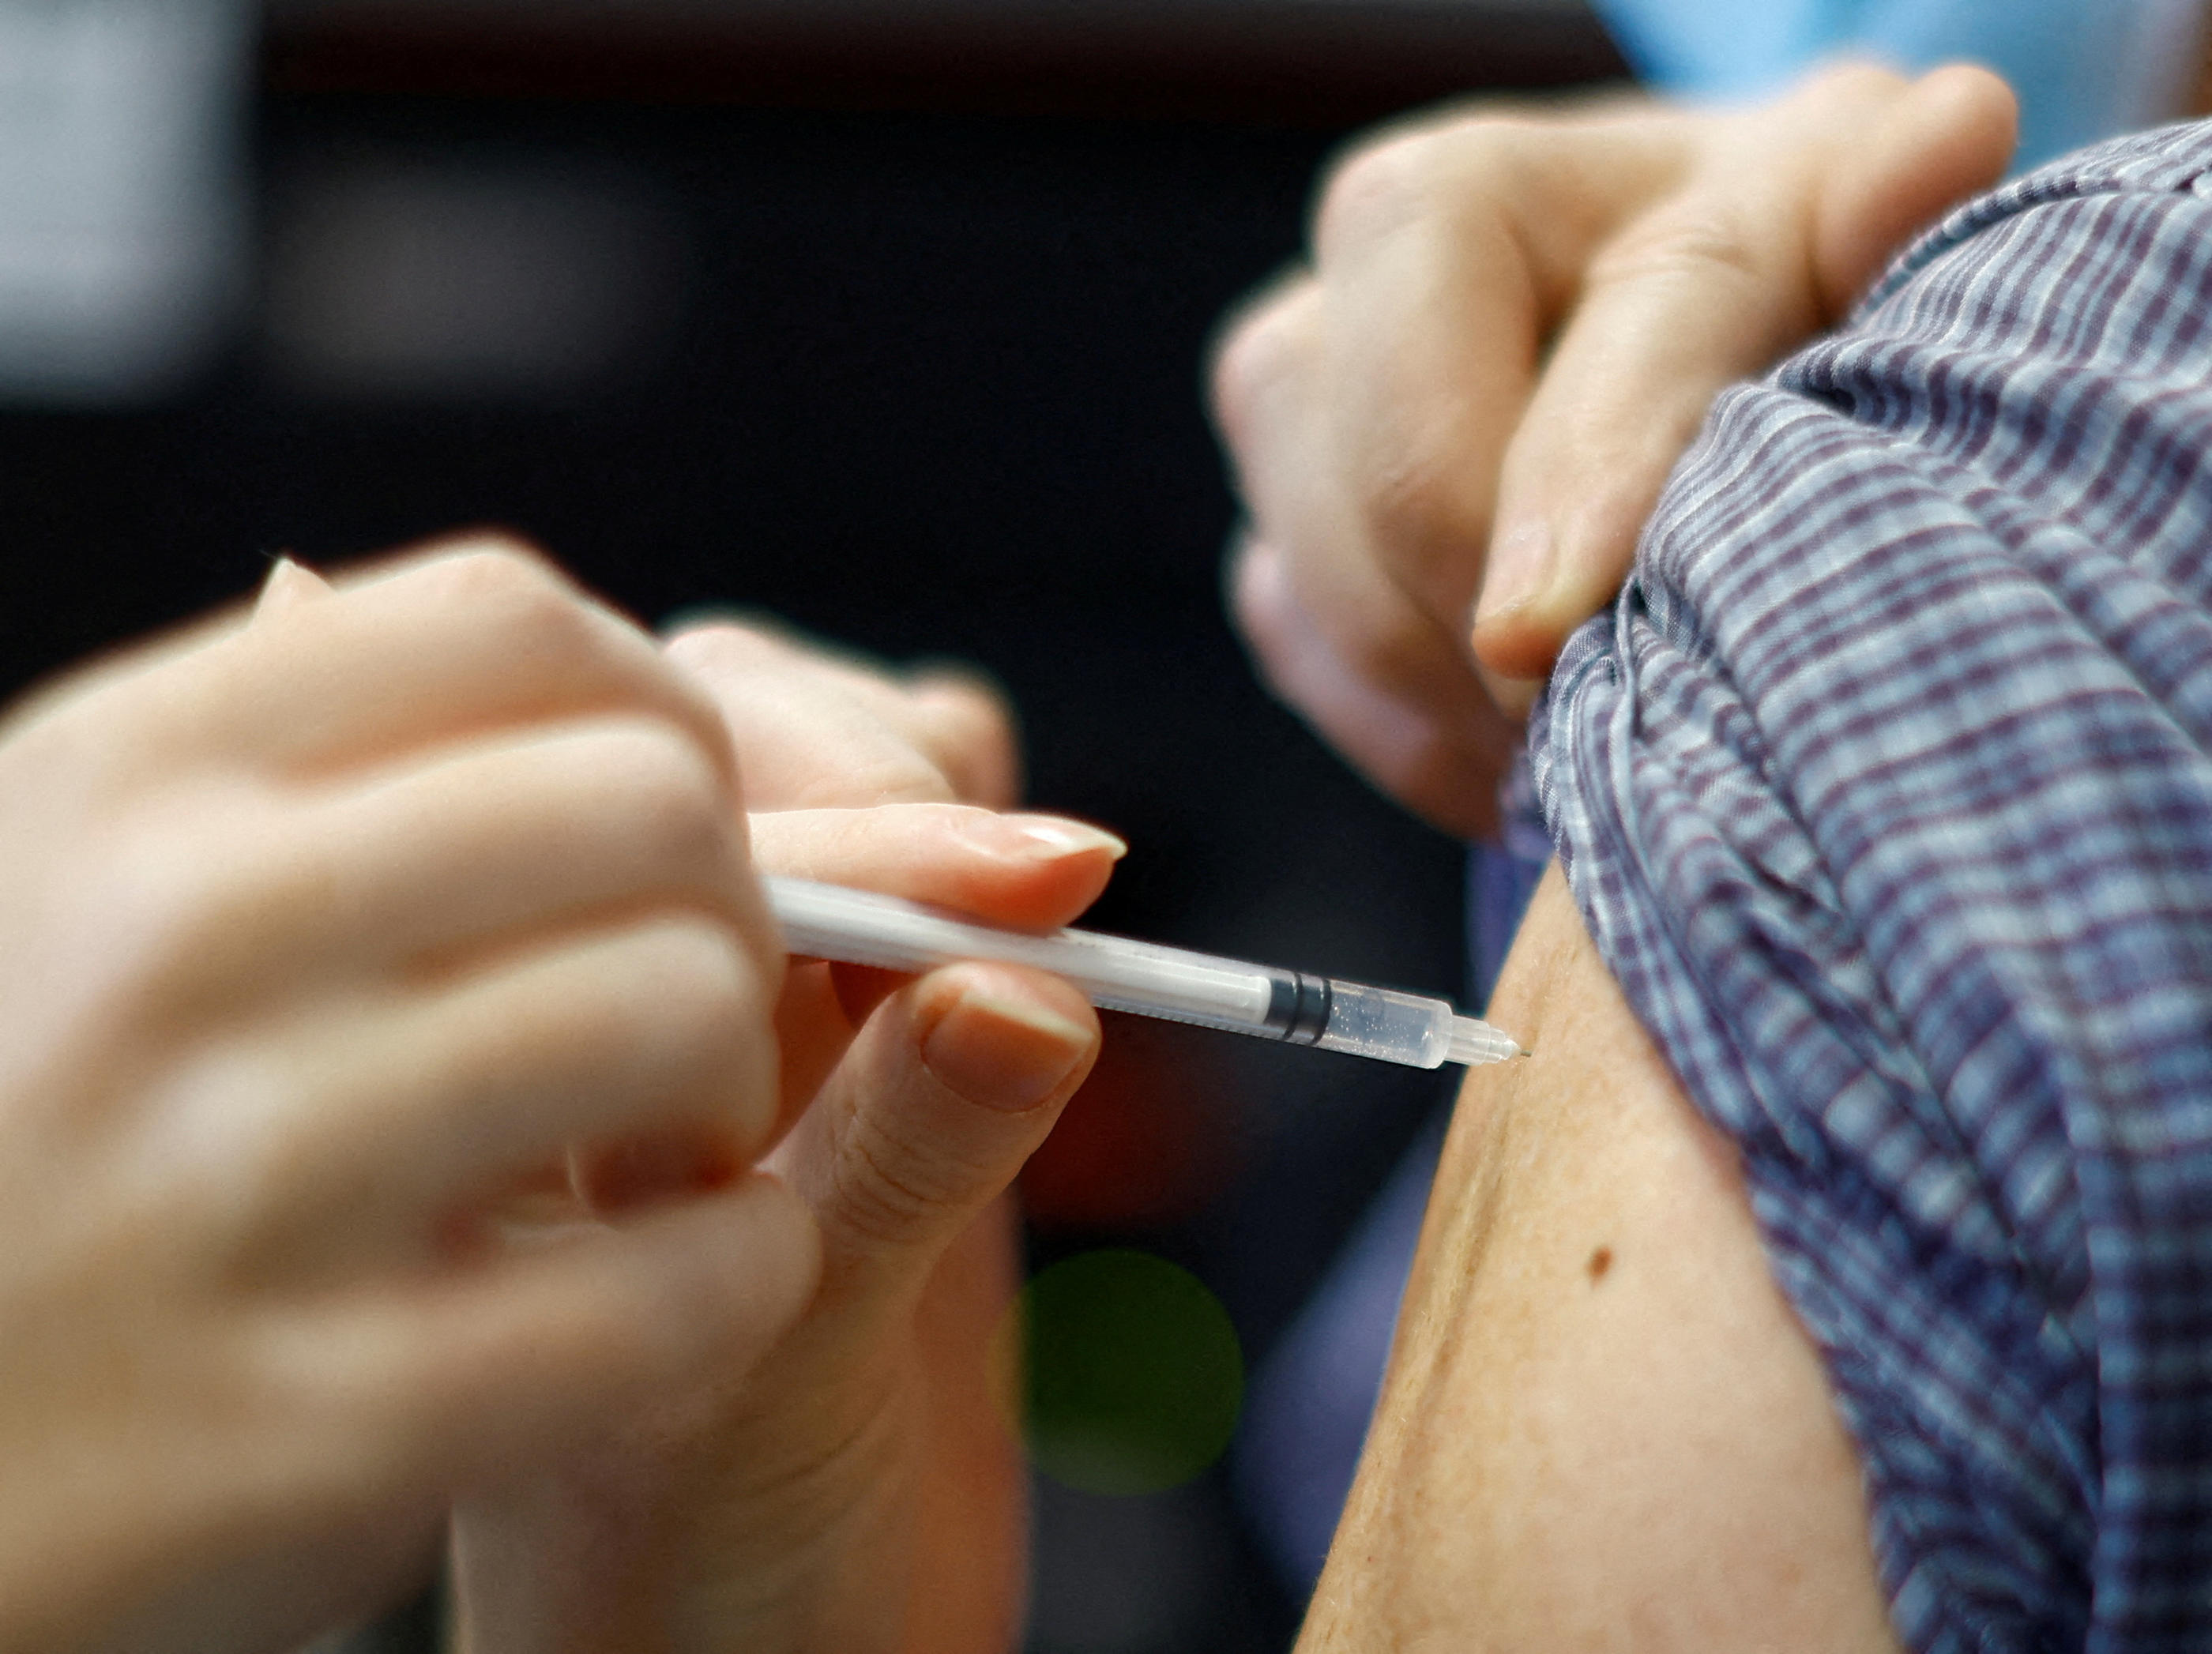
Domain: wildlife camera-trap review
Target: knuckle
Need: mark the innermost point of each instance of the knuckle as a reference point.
(964, 717)
(967, 693)
(236, 1141)
(514, 593)
(892, 775)
(150, 906)
(1697, 246)
(664, 790)
(1376, 188)
(695, 972)
(1254, 355)
(166, 911)
(1414, 495)
(496, 567)
(1425, 176)
(721, 647)
(1261, 612)
(699, 1004)
(886, 1191)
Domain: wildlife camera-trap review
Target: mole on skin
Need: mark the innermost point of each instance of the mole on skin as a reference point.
(1600, 1262)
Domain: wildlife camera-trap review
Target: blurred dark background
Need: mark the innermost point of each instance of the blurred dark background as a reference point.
(889, 318)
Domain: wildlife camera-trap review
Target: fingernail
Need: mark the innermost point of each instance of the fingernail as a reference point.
(1519, 568)
(1003, 1052)
(1057, 836)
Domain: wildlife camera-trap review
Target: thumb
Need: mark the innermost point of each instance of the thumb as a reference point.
(952, 1085)
(1790, 212)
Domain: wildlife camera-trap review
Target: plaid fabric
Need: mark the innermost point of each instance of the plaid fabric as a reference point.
(1885, 793)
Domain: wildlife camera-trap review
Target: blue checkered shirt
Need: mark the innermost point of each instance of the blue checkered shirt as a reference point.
(1885, 792)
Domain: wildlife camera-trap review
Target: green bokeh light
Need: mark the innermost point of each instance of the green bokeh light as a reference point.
(1133, 1373)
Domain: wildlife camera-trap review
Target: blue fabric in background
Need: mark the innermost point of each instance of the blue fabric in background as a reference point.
(2084, 69)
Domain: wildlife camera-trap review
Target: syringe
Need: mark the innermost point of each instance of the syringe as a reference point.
(828, 921)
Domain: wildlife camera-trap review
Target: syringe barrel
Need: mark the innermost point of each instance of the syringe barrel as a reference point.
(1380, 1022)
(1119, 975)
(1320, 1010)
(1112, 971)
(1122, 974)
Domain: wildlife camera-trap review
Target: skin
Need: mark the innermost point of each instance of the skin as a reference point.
(394, 1033)
(321, 1237)
(1511, 327)
(1549, 1468)
(1602, 1428)
(1448, 427)
(858, 1488)
(327, 925)
(853, 1489)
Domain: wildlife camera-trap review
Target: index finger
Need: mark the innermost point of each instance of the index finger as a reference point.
(1791, 208)
(1447, 255)
(1029, 870)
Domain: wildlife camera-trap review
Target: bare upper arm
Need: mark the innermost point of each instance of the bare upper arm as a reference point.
(1602, 1427)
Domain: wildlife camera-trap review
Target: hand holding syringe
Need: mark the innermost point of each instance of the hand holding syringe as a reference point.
(828, 921)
